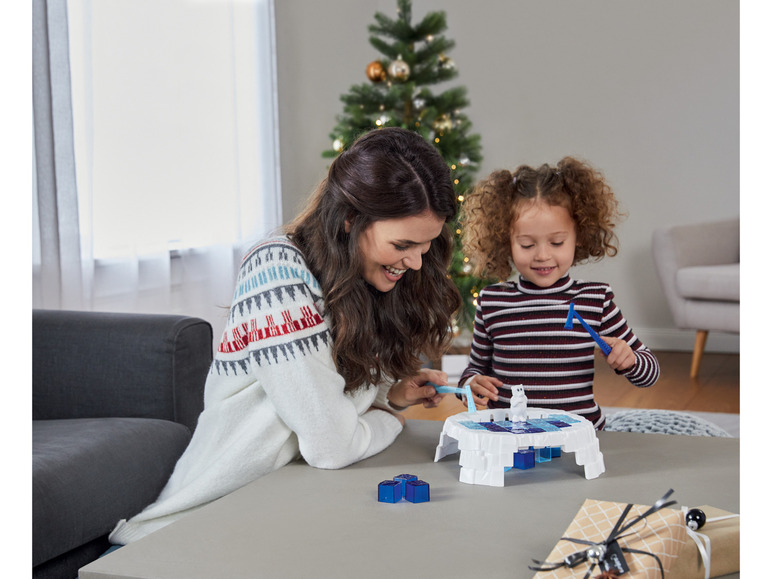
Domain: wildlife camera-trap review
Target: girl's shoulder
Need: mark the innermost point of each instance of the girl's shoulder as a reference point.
(501, 286)
(497, 289)
(589, 289)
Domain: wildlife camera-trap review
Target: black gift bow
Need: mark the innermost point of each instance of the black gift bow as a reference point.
(600, 549)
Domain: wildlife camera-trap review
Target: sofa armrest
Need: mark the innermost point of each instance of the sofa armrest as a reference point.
(93, 364)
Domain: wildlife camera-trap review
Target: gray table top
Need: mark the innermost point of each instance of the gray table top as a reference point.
(305, 522)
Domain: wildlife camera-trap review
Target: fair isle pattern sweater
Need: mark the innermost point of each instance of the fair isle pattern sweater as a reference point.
(520, 338)
(272, 394)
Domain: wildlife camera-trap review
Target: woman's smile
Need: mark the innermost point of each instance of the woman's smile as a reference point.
(393, 273)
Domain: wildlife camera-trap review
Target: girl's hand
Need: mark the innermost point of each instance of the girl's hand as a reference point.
(621, 357)
(484, 388)
(414, 390)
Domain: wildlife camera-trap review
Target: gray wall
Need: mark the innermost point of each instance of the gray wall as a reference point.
(646, 90)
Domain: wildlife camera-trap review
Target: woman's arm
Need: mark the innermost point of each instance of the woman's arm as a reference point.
(277, 331)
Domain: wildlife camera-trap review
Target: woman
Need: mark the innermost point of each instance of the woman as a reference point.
(324, 339)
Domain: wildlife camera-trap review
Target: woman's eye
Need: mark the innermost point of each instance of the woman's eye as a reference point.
(401, 247)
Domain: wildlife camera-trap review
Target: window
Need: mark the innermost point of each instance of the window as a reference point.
(174, 124)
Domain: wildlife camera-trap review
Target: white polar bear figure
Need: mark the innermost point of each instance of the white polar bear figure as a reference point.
(518, 404)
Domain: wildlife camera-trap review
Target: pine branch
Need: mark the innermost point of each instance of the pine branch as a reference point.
(384, 47)
(433, 23)
(434, 48)
(397, 29)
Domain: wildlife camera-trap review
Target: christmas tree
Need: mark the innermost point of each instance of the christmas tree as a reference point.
(414, 58)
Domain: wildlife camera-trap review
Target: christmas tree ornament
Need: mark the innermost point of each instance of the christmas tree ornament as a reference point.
(446, 63)
(399, 69)
(443, 124)
(337, 145)
(376, 72)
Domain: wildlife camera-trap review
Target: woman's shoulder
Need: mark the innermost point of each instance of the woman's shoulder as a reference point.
(277, 259)
(274, 249)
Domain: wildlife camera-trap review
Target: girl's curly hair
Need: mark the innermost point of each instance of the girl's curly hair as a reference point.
(494, 204)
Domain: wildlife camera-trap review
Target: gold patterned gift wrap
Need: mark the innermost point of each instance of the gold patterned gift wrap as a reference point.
(716, 550)
(607, 539)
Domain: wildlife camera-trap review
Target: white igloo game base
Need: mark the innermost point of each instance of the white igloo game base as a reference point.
(489, 439)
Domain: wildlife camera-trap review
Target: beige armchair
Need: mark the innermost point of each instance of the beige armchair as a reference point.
(699, 268)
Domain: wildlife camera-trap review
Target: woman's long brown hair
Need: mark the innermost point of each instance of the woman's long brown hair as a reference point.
(386, 174)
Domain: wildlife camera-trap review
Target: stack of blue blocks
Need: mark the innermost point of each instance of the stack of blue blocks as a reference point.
(403, 486)
(525, 459)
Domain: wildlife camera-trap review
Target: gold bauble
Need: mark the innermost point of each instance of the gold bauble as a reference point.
(376, 72)
(399, 70)
(443, 123)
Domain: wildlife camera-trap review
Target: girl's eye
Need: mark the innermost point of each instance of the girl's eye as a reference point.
(526, 246)
(557, 243)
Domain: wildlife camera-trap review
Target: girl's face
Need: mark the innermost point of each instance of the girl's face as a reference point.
(392, 246)
(543, 242)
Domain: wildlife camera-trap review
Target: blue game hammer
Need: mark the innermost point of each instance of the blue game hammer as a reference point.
(605, 348)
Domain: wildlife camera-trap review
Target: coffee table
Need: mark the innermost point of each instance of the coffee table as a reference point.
(305, 522)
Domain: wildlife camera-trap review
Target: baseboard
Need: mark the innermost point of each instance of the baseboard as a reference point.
(683, 340)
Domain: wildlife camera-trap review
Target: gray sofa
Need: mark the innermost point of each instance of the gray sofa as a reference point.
(699, 268)
(115, 398)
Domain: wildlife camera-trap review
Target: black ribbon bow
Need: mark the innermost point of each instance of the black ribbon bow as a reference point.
(596, 552)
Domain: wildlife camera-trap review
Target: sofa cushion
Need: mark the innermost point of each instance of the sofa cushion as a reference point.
(710, 282)
(88, 473)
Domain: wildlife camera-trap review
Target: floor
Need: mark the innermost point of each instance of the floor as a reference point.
(714, 395)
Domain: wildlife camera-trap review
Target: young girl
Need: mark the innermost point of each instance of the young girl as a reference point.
(543, 221)
(329, 322)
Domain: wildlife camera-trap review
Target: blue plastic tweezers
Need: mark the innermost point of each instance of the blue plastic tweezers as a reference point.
(467, 390)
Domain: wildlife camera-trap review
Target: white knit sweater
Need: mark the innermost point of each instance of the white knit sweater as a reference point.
(272, 395)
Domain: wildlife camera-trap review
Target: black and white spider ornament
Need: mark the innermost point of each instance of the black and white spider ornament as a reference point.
(695, 519)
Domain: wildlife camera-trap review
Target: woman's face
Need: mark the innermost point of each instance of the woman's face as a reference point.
(392, 246)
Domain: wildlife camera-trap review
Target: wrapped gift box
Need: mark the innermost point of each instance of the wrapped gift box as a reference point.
(662, 533)
(724, 538)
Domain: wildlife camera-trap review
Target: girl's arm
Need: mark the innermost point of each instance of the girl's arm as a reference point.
(479, 371)
(629, 356)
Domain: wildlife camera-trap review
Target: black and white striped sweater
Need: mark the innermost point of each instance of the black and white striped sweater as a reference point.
(520, 338)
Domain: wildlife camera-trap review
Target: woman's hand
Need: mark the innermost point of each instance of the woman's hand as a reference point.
(484, 388)
(621, 357)
(415, 390)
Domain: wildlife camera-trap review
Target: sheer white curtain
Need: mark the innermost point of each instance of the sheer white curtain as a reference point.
(168, 164)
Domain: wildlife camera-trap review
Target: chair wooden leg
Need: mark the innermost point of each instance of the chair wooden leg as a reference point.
(699, 348)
